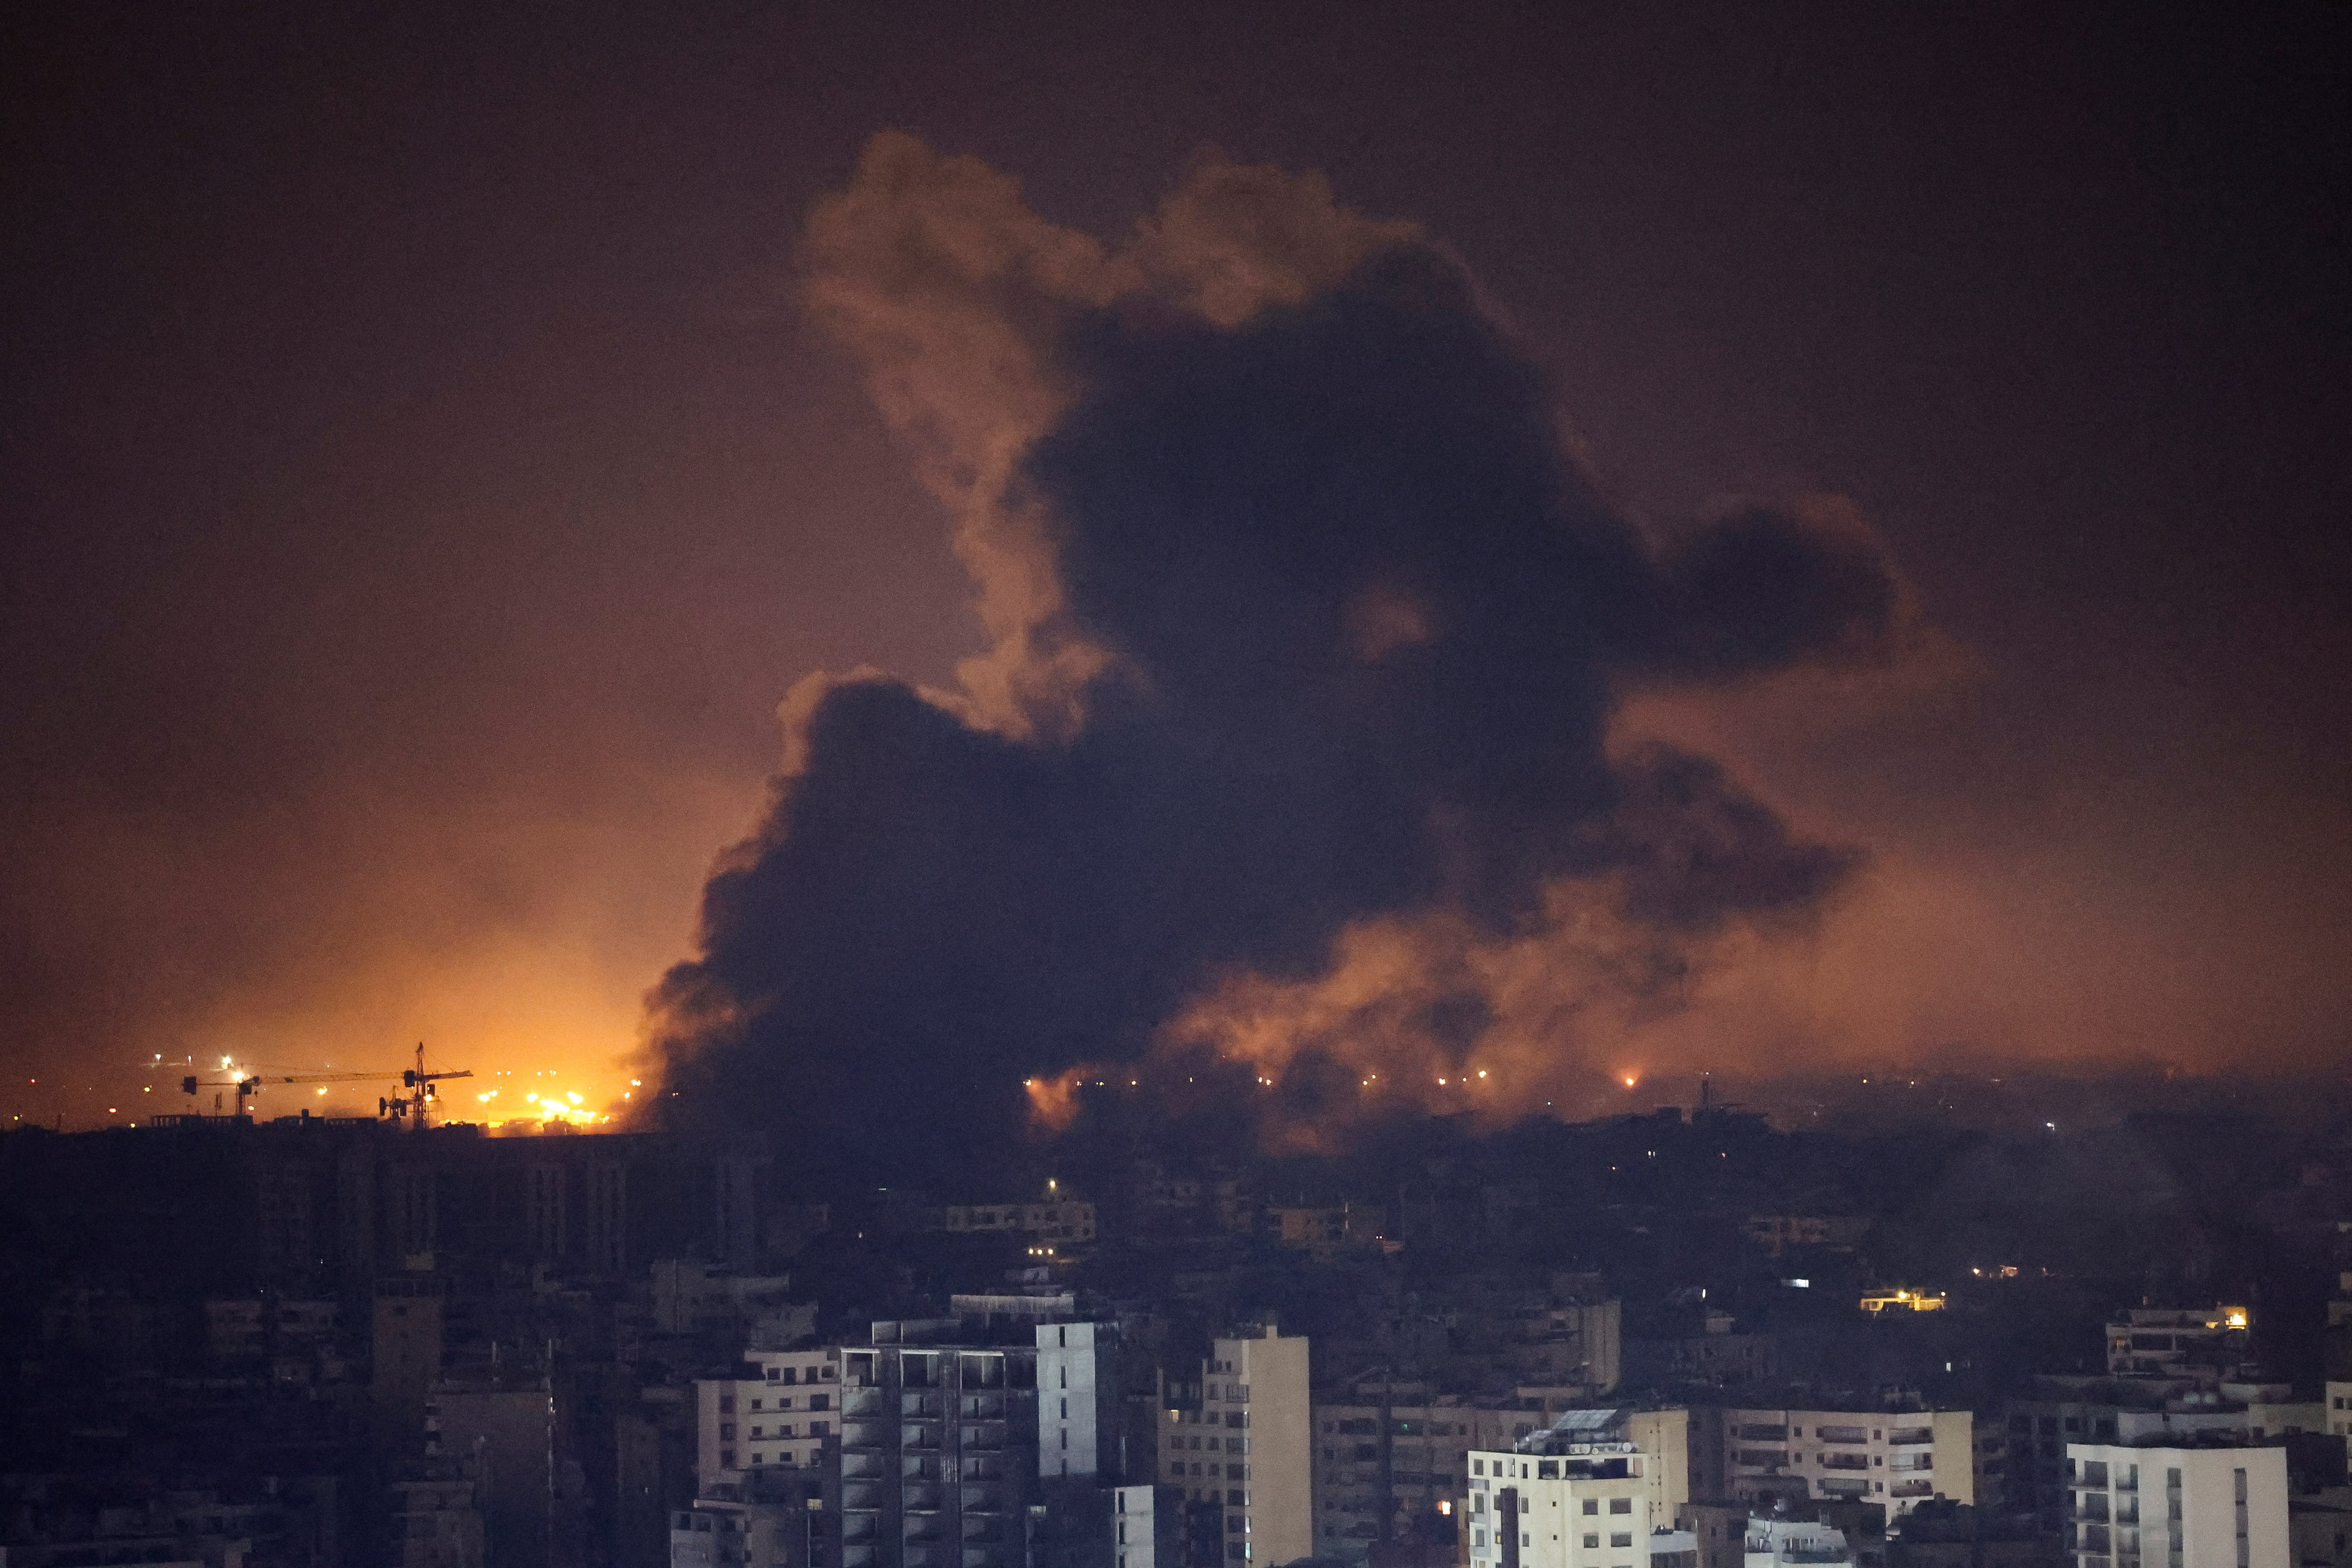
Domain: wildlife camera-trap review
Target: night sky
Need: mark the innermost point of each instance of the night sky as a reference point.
(432, 458)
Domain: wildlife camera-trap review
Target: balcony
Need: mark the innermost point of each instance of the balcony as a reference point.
(984, 1435)
(2092, 1506)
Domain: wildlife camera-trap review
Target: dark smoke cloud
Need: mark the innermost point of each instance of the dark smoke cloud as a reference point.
(1356, 626)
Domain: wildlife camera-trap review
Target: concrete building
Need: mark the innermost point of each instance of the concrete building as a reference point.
(1077, 1401)
(2132, 1412)
(1060, 1223)
(1779, 1232)
(1392, 1461)
(2213, 1504)
(1322, 1231)
(1722, 1530)
(435, 1524)
(1899, 1459)
(1771, 1542)
(724, 1533)
(2338, 1414)
(777, 1416)
(504, 1439)
(1079, 1526)
(2193, 1347)
(1559, 1502)
(1249, 1447)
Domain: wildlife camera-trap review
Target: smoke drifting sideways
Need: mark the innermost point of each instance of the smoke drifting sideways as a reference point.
(1288, 754)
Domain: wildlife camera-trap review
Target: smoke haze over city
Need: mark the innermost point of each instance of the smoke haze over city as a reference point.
(425, 494)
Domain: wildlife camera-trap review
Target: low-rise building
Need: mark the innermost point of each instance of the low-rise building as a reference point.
(1772, 1542)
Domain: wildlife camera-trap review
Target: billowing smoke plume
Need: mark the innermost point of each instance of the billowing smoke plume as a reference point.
(1290, 746)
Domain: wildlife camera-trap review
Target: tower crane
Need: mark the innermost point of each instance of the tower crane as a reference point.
(416, 1088)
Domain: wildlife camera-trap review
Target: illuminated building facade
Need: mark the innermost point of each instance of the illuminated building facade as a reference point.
(1899, 1459)
(2179, 1505)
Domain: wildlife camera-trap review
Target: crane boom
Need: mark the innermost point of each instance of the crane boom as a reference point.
(415, 1083)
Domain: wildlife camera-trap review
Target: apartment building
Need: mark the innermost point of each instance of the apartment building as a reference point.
(778, 1418)
(1392, 1460)
(1899, 1459)
(2195, 1347)
(2212, 1503)
(2132, 1412)
(1249, 1446)
(1561, 1499)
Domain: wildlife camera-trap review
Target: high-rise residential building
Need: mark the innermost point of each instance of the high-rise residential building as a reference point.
(2210, 1503)
(973, 1441)
(1248, 1451)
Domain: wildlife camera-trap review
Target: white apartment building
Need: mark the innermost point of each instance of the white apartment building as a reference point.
(1899, 1459)
(1585, 1506)
(779, 1419)
(2212, 1505)
(1250, 1446)
(1399, 1459)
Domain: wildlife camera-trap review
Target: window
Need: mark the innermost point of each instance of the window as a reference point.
(1620, 1538)
(1592, 1539)
(1592, 1505)
(1620, 1505)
